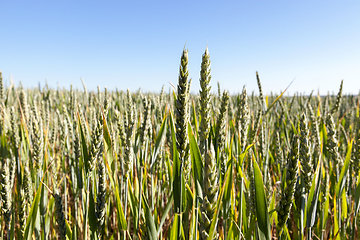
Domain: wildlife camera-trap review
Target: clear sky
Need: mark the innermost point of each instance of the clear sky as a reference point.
(132, 44)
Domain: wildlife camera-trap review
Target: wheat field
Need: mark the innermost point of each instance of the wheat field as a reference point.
(78, 164)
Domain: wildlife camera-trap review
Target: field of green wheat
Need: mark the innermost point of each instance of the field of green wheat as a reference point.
(78, 164)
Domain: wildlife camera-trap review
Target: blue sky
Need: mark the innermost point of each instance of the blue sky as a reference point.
(132, 44)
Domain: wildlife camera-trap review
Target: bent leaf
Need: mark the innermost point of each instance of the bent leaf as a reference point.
(341, 183)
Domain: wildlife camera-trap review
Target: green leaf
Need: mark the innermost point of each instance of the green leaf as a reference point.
(157, 146)
(357, 196)
(30, 221)
(227, 191)
(341, 183)
(106, 133)
(344, 206)
(313, 196)
(241, 206)
(336, 235)
(83, 146)
(133, 203)
(12, 227)
(194, 117)
(120, 213)
(243, 213)
(177, 188)
(165, 213)
(242, 175)
(277, 99)
(286, 233)
(272, 208)
(215, 218)
(242, 155)
(261, 205)
(194, 220)
(175, 232)
(293, 127)
(326, 212)
(189, 195)
(122, 225)
(323, 137)
(232, 231)
(197, 164)
(150, 223)
(177, 184)
(183, 194)
(175, 97)
(74, 233)
(68, 230)
(91, 213)
(169, 169)
(250, 229)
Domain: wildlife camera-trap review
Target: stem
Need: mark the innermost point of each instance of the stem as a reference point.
(76, 201)
(42, 206)
(282, 235)
(140, 199)
(339, 216)
(152, 191)
(353, 229)
(126, 196)
(180, 210)
(321, 225)
(65, 198)
(225, 220)
(19, 181)
(122, 179)
(309, 233)
(196, 216)
(86, 212)
(240, 207)
(302, 211)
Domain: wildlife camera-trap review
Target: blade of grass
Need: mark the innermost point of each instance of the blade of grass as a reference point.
(277, 99)
(341, 183)
(122, 225)
(214, 220)
(197, 164)
(357, 197)
(159, 138)
(30, 221)
(314, 196)
(261, 205)
(150, 223)
(165, 213)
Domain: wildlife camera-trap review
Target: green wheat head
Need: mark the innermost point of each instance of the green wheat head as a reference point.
(205, 78)
(287, 195)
